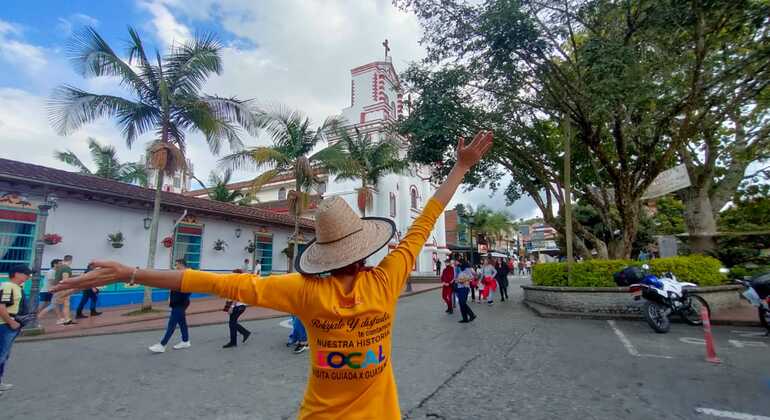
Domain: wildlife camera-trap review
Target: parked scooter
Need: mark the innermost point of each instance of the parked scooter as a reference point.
(663, 296)
(757, 293)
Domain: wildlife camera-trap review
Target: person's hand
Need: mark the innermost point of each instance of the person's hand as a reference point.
(14, 325)
(105, 272)
(470, 154)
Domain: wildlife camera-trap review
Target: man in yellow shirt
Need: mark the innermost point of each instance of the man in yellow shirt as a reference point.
(349, 313)
(11, 305)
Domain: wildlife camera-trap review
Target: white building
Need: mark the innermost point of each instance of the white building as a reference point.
(89, 208)
(375, 101)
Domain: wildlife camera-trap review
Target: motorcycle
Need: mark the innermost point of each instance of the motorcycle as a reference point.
(663, 296)
(757, 293)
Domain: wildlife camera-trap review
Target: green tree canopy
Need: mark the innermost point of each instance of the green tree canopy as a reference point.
(105, 158)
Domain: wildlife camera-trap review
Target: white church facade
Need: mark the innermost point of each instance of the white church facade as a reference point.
(375, 102)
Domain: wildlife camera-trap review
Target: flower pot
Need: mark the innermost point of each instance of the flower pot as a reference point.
(219, 248)
(117, 244)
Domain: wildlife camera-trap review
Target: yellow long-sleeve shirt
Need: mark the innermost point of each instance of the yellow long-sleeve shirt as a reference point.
(351, 375)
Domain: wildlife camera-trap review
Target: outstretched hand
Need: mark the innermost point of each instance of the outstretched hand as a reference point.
(105, 272)
(470, 154)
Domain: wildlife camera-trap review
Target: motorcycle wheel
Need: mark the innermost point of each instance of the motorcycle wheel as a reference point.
(691, 314)
(655, 315)
(764, 318)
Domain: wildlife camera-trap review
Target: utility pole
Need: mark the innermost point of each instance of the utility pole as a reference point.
(568, 195)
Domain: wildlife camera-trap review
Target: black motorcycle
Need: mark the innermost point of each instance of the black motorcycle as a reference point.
(757, 293)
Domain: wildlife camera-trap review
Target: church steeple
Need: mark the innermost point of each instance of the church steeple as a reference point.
(375, 95)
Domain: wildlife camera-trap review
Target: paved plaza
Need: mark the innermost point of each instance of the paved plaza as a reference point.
(509, 364)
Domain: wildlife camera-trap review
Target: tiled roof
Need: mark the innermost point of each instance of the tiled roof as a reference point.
(247, 184)
(282, 206)
(11, 170)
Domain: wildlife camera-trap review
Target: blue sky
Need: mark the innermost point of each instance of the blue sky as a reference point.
(279, 52)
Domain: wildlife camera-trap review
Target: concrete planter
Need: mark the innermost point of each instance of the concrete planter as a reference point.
(616, 300)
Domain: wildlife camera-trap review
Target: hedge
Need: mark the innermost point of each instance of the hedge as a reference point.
(697, 269)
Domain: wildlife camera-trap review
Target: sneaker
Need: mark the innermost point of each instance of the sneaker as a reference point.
(95, 313)
(229, 345)
(69, 322)
(472, 318)
(464, 321)
(157, 348)
(5, 387)
(491, 302)
(80, 316)
(246, 337)
(300, 348)
(60, 321)
(291, 343)
(182, 345)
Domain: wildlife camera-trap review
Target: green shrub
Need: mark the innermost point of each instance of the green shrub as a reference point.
(697, 269)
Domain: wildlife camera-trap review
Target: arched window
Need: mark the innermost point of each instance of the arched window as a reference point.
(282, 194)
(392, 205)
(413, 197)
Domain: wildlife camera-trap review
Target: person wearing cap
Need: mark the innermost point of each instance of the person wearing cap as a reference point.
(348, 308)
(11, 305)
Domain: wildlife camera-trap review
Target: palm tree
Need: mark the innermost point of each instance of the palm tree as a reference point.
(473, 221)
(497, 225)
(166, 100)
(218, 190)
(107, 164)
(358, 156)
(293, 139)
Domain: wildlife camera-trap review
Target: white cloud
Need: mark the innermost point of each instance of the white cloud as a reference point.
(15, 52)
(67, 24)
(168, 29)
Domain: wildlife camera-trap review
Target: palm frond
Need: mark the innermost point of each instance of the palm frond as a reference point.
(70, 108)
(71, 159)
(189, 65)
(280, 123)
(256, 158)
(261, 180)
(92, 57)
(134, 172)
(136, 54)
(235, 110)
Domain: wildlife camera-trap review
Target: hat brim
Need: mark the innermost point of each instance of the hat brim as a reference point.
(318, 258)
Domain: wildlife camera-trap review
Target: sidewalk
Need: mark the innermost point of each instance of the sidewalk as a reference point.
(204, 311)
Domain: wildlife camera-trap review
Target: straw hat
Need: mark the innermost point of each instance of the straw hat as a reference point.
(342, 238)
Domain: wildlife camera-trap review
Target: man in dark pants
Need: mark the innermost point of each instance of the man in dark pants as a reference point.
(178, 302)
(502, 280)
(91, 294)
(235, 309)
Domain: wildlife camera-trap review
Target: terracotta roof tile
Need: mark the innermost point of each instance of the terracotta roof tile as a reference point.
(11, 170)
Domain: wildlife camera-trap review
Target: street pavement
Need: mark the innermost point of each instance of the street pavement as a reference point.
(508, 364)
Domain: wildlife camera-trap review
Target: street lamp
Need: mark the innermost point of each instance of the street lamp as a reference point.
(237, 232)
(147, 222)
(33, 328)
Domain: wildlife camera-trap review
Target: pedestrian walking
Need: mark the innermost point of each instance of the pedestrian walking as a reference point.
(46, 297)
(298, 336)
(64, 272)
(462, 288)
(235, 309)
(527, 267)
(258, 267)
(502, 280)
(474, 282)
(447, 285)
(348, 308)
(488, 274)
(178, 301)
(91, 294)
(12, 307)
(438, 266)
(246, 266)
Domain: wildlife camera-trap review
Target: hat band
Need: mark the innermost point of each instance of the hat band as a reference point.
(340, 238)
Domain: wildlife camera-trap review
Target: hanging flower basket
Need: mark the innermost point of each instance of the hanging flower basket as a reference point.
(220, 245)
(168, 242)
(251, 247)
(116, 239)
(51, 238)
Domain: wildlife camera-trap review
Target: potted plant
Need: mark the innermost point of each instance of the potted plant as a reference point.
(51, 238)
(251, 247)
(220, 245)
(168, 242)
(116, 239)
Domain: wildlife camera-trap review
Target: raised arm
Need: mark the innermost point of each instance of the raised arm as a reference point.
(283, 292)
(397, 266)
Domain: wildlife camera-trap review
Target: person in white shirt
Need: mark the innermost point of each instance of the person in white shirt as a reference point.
(257, 267)
(235, 309)
(46, 297)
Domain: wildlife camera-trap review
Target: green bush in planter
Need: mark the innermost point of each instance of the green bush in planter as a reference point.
(697, 269)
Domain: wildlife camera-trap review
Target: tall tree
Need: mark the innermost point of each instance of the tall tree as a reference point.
(294, 139)
(166, 99)
(218, 190)
(356, 155)
(631, 88)
(107, 164)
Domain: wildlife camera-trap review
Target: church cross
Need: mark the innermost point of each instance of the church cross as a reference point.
(387, 47)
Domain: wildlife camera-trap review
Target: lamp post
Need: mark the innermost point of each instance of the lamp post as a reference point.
(34, 328)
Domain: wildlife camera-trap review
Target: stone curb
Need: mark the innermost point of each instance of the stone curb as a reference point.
(85, 332)
(545, 312)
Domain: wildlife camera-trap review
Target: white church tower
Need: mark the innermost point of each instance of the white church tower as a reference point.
(375, 102)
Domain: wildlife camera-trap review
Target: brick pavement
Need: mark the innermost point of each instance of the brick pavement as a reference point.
(204, 311)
